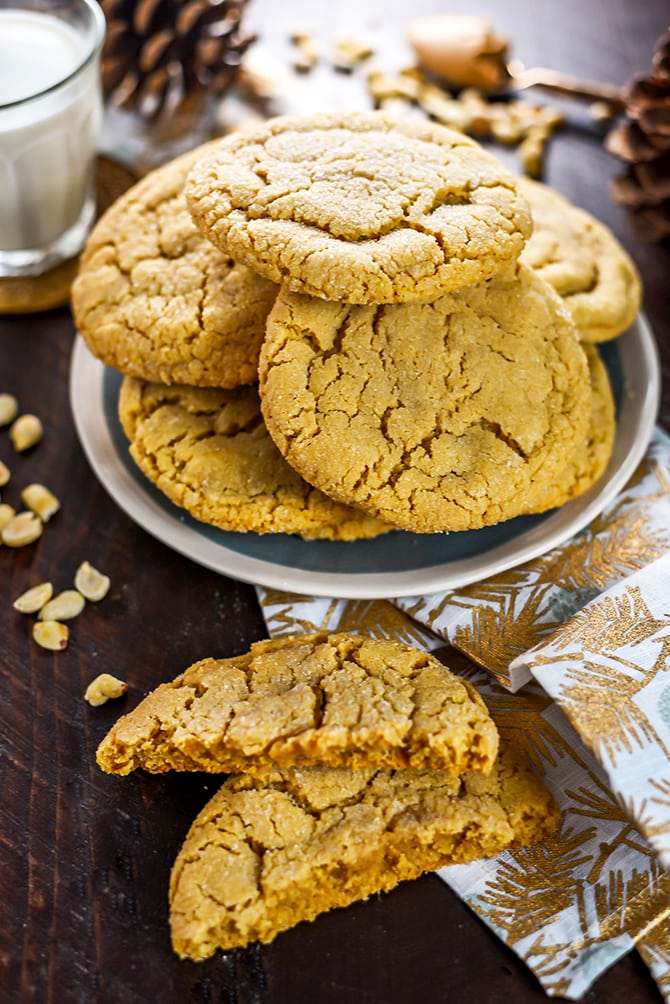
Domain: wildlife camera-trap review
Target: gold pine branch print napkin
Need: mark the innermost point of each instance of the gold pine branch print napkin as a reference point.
(571, 906)
(608, 669)
(292, 613)
(497, 620)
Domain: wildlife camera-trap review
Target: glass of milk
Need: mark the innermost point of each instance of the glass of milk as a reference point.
(50, 121)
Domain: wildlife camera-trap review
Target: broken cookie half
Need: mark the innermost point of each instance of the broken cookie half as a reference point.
(265, 854)
(336, 700)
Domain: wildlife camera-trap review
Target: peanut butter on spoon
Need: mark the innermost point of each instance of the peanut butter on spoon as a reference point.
(465, 50)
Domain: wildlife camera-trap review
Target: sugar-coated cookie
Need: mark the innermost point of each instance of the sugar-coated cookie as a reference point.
(264, 855)
(360, 207)
(434, 416)
(338, 700)
(584, 262)
(154, 299)
(209, 452)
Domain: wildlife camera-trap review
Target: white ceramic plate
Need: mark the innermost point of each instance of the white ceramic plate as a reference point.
(395, 564)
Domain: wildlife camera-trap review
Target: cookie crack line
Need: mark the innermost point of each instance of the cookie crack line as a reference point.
(371, 241)
(169, 445)
(208, 895)
(230, 431)
(401, 219)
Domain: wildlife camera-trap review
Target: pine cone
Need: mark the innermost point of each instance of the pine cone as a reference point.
(642, 139)
(158, 54)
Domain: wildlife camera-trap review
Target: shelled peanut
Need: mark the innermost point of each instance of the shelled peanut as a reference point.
(51, 610)
(20, 528)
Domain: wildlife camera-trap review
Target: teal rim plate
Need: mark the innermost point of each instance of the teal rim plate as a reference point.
(395, 564)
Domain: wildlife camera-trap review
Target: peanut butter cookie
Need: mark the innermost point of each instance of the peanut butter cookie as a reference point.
(584, 262)
(434, 416)
(591, 457)
(338, 700)
(154, 299)
(264, 855)
(208, 451)
(361, 207)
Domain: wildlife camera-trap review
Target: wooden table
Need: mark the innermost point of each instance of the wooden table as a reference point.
(85, 857)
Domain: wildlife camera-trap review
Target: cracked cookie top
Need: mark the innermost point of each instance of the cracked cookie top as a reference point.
(431, 416)
(584, 262)
(207, 450)
(340, 700)
(154, 299)
(361, 208)
(265, 854)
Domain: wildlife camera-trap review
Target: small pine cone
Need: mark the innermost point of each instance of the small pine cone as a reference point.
(642, 140)
(158, 54)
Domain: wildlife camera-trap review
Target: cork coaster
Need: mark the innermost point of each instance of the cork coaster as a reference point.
(30, 294)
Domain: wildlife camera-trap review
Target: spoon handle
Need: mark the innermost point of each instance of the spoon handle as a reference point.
(556, 82)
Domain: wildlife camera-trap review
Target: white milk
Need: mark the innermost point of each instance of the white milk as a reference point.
(48, 140)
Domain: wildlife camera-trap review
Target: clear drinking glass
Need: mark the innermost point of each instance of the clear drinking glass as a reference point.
(50, 121)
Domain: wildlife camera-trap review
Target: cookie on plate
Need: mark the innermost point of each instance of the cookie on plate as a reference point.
(207, 450)
(451, 411)
(154, 299)
(584, 262)
(591, 457)
(360, 207)
(338, 700)
(264, 855)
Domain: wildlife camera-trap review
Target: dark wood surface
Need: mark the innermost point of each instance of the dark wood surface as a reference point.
(85, 858)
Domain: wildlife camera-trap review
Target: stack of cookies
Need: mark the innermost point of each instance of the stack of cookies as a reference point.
(359, 763)
(337, 325)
